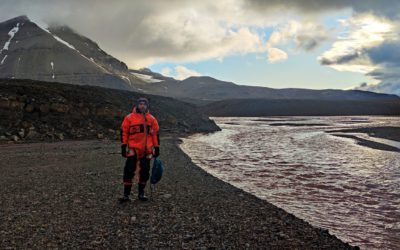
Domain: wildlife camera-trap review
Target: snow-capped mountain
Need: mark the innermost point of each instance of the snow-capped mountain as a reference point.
(58, 54)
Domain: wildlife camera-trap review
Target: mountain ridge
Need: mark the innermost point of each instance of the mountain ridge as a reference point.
(59, 53)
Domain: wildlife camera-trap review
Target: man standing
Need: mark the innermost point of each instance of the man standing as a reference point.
(140, 142)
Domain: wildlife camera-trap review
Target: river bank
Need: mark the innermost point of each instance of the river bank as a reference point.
(64, 195)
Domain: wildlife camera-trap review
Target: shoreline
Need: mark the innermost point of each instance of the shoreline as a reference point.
(388, 133)
(72, 203)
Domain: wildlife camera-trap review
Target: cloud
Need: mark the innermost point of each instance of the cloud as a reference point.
(166, 71)
(361, 33)
(387, 76)
(276, 55)
(303, 36)
(306, 35)
(369, 45)
(180, 72)
(383, 87)
(142, 33)
(387, 8)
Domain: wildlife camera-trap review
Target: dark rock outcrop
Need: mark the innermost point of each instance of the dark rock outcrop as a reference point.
(32, 110)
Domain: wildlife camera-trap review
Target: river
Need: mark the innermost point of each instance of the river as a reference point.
(329, 181)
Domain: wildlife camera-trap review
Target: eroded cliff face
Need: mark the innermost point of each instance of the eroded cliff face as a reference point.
(35, 111)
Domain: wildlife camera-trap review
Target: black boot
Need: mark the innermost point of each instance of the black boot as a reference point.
(127, 192)
(141, 195)
(124, 199)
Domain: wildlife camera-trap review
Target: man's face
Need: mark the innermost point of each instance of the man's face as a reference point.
(142, 106)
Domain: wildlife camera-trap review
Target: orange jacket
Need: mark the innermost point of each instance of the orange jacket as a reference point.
(140, 132)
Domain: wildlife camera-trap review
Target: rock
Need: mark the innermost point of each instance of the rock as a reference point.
(106, 111)
(59, 107)
(171, 120)
(31, 134)
(60, 136)
(16, 105)
(29, 108)
(3, 138)
(282, 235)
(4, 103)
(167, 196)
(50, 135)
(26, 124)
(133, 219)
(14, 138)
(85, 111)
(187, 237)
(184, 124)
(44, 108)
(112, 131)
(21, 133)
(100, 136)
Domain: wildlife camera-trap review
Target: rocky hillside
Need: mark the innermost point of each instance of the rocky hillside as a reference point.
(32, 110)
(31, 51)
(289, 107)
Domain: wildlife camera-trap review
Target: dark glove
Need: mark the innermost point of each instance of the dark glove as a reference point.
(156, 152)
(123, 150)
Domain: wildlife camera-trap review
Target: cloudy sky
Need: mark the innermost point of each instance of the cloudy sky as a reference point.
(275, 43)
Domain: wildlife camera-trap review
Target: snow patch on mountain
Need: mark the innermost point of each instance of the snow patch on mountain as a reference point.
(11, 34)
(146, 78)
(126, 78)
(52, 68)
(2, 61)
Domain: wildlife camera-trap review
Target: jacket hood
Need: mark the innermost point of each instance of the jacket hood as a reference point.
(134, 110)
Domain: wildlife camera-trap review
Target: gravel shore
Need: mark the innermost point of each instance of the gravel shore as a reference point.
(390, 133)
(64, 195)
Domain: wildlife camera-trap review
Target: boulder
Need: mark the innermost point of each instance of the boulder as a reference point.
(31, 134)
(44, 108)
(4, 103)
(106, 111)
(26, 124)
(171, 120)
(60, 136)
(59, 107)
(17, 105)
(29, 108)
(85, 111)
(21, 133)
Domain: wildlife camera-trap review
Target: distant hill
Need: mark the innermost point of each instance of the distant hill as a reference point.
(293, 107)
(33, 110)
(205, 89)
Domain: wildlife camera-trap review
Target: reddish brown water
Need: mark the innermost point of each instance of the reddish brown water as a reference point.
(331, 182)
